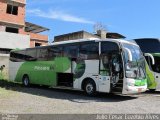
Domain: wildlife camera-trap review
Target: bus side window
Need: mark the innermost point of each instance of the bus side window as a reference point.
(71, 51)
(31, 54)
(108, 51)
(156, 66)
(42, 54)
(89, 51)
(54, 52)
(18, 56)
(109, 47)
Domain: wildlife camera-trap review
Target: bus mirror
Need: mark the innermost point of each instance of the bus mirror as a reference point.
(151, 56)
(129, 54)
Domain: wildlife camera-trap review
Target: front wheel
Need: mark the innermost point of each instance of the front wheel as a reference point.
(152, 90)
(90, 88)
(25, 81)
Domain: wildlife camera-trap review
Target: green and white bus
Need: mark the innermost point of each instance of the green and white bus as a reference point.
(109, 66)
(151, 49)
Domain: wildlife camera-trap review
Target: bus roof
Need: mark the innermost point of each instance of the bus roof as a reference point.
(94, 40)
(83, 40)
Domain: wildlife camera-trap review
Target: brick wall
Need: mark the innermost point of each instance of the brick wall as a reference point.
(15, 19)
(18, 21)
(32, 43)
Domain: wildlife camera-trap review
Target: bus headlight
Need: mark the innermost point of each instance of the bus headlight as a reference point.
(131, 84)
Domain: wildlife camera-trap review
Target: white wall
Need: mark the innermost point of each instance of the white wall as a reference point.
(4, 60)
(13, 41)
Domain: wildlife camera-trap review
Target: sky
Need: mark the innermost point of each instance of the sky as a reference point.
(131, 18)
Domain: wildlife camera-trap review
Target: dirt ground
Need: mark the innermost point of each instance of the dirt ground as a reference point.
(15, 99)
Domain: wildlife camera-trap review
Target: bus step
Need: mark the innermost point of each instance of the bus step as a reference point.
(120, 81)
(117, 93)
(117, 89)
(119, 85)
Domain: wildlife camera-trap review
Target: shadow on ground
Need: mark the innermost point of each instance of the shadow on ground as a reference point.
(152, 92)
(71, 95)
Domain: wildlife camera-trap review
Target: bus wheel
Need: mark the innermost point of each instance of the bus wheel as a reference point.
(152, 90)
(90, 87)
(25, 80)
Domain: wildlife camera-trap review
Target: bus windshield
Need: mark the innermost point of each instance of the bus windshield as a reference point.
(134, 68)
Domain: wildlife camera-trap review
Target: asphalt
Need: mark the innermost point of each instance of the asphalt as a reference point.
(16, 99)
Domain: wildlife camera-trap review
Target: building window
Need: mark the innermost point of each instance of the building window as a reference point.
(37, 44)
(12, 30)
(12, 9)
(4, 51)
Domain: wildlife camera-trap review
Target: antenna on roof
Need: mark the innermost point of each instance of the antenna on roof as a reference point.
(99, 26)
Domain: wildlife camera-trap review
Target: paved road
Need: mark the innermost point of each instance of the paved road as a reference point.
(17, 99)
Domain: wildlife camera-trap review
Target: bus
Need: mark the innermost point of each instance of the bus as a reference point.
(151, 46)
(91, 65)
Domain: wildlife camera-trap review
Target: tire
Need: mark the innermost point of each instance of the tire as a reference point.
(90, 88)
(152, 90)
(26, 81)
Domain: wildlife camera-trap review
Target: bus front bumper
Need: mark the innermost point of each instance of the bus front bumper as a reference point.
(134, 89)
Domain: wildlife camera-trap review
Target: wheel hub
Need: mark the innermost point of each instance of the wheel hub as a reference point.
(89, 88)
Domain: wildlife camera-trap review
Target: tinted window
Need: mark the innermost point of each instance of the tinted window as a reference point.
(156, 66)
(31, 54)
(54, 51)
(71, 51)
(17, 56)
(89, 51)
(149, 45)
(109, 47)
(42, 54)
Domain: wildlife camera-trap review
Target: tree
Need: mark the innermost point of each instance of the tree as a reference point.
(99, 26)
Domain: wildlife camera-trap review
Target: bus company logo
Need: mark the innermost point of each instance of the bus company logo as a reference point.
(40, 68)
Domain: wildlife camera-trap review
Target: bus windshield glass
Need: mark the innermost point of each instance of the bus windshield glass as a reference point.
(135, 68)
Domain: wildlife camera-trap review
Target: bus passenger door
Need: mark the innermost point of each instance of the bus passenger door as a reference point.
(104, 78)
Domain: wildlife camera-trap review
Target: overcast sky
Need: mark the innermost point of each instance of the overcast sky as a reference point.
(132, 18)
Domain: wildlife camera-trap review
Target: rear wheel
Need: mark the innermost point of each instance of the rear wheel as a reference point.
(90, 87)
(25, 81)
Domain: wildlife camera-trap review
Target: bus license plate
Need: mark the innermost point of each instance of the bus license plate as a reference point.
(139, 89)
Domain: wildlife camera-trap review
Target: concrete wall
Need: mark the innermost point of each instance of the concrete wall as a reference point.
(2, 28)
(35, 38)
(4, 60)
(74, 36)
(13, 41)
